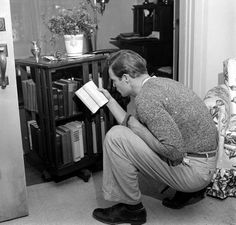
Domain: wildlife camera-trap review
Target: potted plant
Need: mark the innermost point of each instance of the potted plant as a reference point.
(73, 24)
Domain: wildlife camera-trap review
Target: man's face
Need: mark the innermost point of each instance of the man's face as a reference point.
(121, 85)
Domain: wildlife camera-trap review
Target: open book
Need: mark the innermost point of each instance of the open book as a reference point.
(91, 96)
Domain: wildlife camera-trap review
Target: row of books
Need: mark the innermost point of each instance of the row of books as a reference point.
(71, 141)
(29, 95)
(71, 144)
(63, 96)
(63, 92)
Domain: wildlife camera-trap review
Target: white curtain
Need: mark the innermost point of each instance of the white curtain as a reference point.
(27, 25)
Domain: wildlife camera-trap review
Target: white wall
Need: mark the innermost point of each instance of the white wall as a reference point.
(117, 18)
(207, 38)
(221, 38)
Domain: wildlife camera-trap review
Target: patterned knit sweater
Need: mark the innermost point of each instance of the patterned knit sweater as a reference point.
(178, 119)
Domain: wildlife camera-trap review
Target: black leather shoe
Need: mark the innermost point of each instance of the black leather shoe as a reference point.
(182, 199)
(119, 213)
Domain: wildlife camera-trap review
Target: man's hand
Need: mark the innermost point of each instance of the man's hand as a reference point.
(114, 107)
(106, 93)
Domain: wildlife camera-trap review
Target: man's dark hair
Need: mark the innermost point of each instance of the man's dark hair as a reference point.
(127, 62)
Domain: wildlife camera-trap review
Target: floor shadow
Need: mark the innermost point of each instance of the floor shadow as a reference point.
(33, 170)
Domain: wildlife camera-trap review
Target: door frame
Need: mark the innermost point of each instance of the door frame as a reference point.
(192, 44)
(13, 198)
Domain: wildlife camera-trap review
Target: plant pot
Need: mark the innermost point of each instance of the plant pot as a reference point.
(74, 44)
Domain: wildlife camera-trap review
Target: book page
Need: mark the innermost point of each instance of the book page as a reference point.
(93, 91)
(87, 100)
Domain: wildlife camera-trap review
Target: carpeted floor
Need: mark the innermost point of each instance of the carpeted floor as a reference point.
(72, 201)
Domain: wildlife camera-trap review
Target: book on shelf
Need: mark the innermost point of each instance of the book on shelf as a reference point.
(76, 105)
(59, 151)
(94, 135)
(79, 131)
(60, 99)
(91, 96)
(103, 129)
(36, 139)
(64, 146)
(72, 86)
(64, 88)
(84, 137)
(55, 102)
(67, 154)
(29, 95)
(29, 133)
(65, 94)
(75, 142)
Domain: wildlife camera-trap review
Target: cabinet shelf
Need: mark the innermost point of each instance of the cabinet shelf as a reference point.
(69, 117)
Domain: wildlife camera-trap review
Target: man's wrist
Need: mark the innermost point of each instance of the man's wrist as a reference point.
(126, 120)
(110, 101)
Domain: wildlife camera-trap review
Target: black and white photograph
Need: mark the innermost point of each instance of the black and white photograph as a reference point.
(117, 112)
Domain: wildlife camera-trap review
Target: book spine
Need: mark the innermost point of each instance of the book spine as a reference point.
(79, 127)
(76, 146)
(81, 140)
(35, 134)
(61, 112)
(55, 102)
(84, 137)
(95, 150)
(74, 134)
(67, 146)
(64, 88)
(35, 105)
(29, 133)
(64, 146)
(70, 96)
(100, 81)
(74, 105)
(24, 90)
(103, 131)
(59, 149)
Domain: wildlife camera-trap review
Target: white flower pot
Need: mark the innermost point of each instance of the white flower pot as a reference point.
(74, 44)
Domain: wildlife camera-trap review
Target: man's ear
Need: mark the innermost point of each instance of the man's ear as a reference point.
(126, 77)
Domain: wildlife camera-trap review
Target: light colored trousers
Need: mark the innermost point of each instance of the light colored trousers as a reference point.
(126, 154)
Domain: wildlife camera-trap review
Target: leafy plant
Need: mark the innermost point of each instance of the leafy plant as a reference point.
(71, 21)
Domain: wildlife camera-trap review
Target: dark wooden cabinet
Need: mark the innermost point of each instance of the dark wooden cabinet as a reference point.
(44, 74)
(154, 17)
(158, 51)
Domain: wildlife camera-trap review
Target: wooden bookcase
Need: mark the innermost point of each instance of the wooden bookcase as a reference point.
(44, 74)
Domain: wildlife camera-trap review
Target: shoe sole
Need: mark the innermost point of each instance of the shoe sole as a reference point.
(189, 202)
(131, 222)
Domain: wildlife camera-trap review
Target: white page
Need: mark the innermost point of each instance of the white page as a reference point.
(87, 100)
(93, 91)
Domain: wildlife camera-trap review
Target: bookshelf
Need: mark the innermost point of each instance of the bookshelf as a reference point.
(43, 118)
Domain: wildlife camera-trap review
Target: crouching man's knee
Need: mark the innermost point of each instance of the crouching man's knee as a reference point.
(116, 135)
